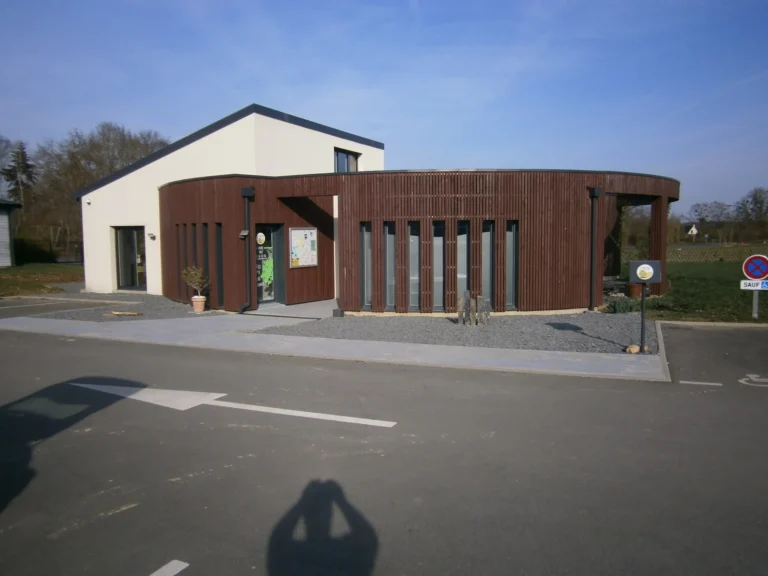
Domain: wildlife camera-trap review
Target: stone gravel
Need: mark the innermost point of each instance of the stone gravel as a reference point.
(150, 306)
(586, 332)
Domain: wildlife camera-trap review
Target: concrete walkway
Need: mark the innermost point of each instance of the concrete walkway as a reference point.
(235, 333)
(307, 311)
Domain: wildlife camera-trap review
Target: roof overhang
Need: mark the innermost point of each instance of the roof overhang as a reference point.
(218, 125)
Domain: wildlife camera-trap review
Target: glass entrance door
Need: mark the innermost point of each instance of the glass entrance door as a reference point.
(265, 264)
(131, 262)
(269, 263)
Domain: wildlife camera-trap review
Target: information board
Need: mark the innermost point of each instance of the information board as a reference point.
(303, 247)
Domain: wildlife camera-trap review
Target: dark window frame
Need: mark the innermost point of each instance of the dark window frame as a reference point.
(459, 226)
(385, 255)
(513, 228)
(220, 264)
(438, 224)
(194, 244)
(348, 156)
(414, 224)
(206, 269)
(365, 227)
(491, 224)
(180, 283)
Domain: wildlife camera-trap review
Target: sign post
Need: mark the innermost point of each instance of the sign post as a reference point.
(755, 268)
(644, 272)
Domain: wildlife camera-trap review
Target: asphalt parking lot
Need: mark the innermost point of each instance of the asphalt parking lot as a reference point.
(717, 356)
(143, 460)
(14, 307)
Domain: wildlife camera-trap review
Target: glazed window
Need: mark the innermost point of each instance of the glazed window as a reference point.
(487, 260)
(414, 269)
(345, 161)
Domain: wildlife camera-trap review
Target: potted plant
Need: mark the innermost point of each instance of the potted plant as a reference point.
(195, 279)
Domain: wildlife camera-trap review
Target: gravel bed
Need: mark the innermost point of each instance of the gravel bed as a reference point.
(151, 307)
(587, 332)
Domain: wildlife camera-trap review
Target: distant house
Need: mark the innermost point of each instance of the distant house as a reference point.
(6, 234)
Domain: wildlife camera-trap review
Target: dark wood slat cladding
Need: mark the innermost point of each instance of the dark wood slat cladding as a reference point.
(551, 208)
(215, 201)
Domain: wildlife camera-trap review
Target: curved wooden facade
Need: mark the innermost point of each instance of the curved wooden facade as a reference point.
(552, 210)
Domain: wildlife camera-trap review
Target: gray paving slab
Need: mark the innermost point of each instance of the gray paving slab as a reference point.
(308, 310)
(38, 307)
(236, 332)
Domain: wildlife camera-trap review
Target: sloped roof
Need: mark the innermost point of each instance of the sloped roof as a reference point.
(218, 125)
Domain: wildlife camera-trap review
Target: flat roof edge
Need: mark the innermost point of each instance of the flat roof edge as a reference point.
(425, 171)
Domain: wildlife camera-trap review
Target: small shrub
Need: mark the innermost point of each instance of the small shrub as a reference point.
(626, 305)
(622, 306)
(195, 279)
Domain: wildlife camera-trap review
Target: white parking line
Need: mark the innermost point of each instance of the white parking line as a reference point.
(171, 569)
(700, 383)
(28, 305)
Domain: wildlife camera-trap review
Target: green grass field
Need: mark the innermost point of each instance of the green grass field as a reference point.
(36, 278)
(708, 292)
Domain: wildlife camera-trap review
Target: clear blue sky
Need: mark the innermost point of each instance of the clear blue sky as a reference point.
(674, 87)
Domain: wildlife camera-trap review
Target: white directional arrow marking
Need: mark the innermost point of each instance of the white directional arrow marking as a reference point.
(186, 399)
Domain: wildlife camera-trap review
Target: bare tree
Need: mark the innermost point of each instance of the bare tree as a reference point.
(752, 214)
(50, 214)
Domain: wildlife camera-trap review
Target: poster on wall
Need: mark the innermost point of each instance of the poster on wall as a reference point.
(303, 247)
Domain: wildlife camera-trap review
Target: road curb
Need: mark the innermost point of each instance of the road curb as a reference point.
(662, 352)
(69, 299)
(713, 324)
(217, 344)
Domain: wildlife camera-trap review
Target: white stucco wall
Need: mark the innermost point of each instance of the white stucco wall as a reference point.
(284, 149)
(134, 201)
(6, 249)
(254, 145)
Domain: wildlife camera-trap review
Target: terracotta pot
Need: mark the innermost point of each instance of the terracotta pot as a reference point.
(635, 290)
(198, 304)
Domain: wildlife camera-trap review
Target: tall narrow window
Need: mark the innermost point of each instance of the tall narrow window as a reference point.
(389, 265)
(204, 240)
(414, 268)
(219, 265)
(438, 266)
(366, 276)
(511, 265)
(462, 258)
(487, 261)
(179, 283)
(185, 239)
(194, 244)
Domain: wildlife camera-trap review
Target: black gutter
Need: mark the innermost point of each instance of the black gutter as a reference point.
(247, 194)
(594, 195)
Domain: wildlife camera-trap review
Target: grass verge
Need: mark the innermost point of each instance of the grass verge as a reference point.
(37, 278)
(708, 292)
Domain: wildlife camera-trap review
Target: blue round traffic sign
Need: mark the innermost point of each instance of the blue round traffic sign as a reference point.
(756, 267)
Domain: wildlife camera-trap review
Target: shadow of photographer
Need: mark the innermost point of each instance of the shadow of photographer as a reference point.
(315, 550)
